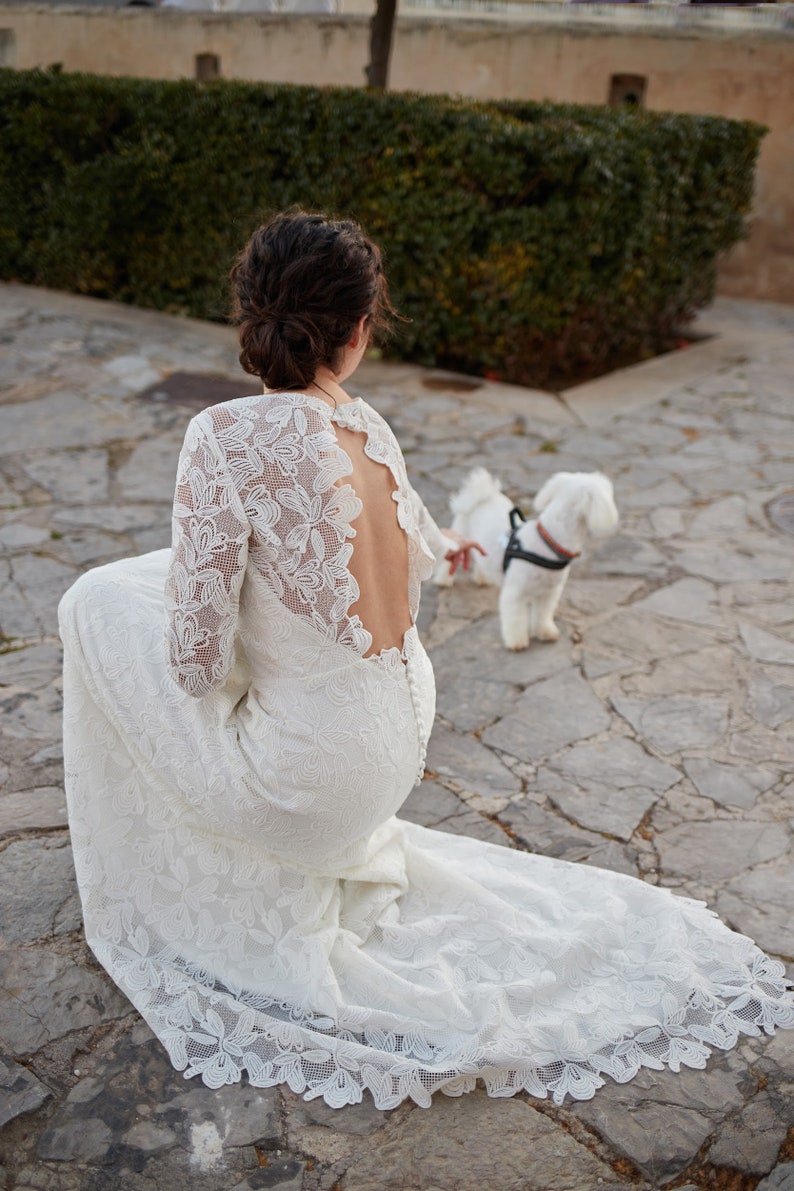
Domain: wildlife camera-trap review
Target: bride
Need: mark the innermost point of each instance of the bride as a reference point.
(244, 717)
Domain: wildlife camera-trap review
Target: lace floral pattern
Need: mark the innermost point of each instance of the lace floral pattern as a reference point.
(244, 878)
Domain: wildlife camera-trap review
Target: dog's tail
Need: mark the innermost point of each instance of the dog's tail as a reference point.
(478, 487)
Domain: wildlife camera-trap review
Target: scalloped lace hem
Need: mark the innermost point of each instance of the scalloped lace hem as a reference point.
(340, 1066)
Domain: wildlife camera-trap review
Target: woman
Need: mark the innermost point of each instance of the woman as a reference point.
(233, 794)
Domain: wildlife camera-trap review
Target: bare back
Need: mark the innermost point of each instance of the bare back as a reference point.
(379, 562)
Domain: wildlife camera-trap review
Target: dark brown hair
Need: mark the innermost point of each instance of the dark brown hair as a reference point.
(299, 287)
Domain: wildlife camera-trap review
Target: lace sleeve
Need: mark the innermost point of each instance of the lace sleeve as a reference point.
(208, 559)
(436, 542)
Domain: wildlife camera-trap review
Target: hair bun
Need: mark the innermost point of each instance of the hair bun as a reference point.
(300, 286)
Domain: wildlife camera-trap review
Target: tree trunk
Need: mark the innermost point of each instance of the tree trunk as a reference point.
(380, 35)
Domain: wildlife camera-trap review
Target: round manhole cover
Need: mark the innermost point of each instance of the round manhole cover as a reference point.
(780, 512)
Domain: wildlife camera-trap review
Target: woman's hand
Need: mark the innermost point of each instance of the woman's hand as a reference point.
(459, 555)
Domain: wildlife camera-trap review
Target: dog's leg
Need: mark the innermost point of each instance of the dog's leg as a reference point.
(514, 614)
(545, 607)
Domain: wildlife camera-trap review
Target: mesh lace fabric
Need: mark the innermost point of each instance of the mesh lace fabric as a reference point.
(235, 762)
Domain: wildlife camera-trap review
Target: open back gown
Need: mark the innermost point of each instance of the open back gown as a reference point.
(236, 756)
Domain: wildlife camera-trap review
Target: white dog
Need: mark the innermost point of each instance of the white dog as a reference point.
(530, 559)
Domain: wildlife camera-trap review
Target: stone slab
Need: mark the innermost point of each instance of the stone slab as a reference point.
(692, 600)
(781, 1179)
(660, 1119)
(760, 903)
(676, 723)
(38, 893)
(20, 1091)
(46, 994)
(548, 716)
(767, 647)
(76, 476)
(541, 830)
(750, 1142)
(459, 1144)
(728, 785)
(608, 786)
(720, 849)
(462, 759)
(136, 1099)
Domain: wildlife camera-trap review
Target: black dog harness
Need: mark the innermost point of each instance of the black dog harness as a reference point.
(513, 549)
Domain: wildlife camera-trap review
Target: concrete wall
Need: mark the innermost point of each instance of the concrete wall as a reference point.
(728, 62)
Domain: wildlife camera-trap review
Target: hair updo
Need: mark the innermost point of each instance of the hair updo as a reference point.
(300, 286)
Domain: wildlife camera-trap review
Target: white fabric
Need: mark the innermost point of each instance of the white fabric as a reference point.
(234, 765)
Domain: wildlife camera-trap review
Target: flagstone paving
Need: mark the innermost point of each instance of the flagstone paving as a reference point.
(656, 737)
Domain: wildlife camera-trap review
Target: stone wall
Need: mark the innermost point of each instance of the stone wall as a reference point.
(732, 62)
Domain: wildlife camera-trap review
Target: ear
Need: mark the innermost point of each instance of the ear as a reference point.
(360, 332)
(601, 514)
(550, 489)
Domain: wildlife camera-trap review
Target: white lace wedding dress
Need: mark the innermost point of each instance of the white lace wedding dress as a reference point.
(232, 797)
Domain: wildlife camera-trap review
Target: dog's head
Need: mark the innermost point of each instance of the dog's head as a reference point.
(589, 494)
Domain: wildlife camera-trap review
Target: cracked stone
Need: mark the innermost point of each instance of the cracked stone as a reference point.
(552, 835)
(116, 518)
(150, 471)
(63, 419)
(691, 600)
(280, 1174)
(456, 1145)
(87, 1140)
(661, 1119)
(667, 523)
(720, 849)
(771, 703)
(42, 582)
(724, 565)
(721, 517)
(592, 596)
(645, 637)
(19, 536)
(32, 667)
(760, 904)
(79, 477)
(766, 647)
(38, 893)
(751, 1141)
(676, 723)
(711, 670)
(729, 785)
(465, 761)
(781, 1179)
(42, 808)
(548, 716)
(607, 786)
(431, 805)
(31, 713)
(45, 995)
(135, 1098)
(623, 555)
(358, 1120)
(477, 652)
(20, 1091)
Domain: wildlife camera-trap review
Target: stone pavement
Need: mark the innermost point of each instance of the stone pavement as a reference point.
(655, 738)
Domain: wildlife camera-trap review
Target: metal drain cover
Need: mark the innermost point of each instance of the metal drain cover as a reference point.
(198, 389)
(780, 512)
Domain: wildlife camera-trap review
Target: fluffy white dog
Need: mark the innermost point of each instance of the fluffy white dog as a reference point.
(530, 559)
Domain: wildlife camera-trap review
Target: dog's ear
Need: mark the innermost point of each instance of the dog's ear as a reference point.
(550, 489)
(601, 514)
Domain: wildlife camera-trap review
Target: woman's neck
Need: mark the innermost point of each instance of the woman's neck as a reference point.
(326, 386)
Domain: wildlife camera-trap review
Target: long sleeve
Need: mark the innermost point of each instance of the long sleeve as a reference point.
(437, 543)
(208, 560)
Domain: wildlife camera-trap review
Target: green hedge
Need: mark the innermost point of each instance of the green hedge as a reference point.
(531, 240)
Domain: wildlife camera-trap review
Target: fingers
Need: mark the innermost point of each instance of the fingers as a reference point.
(461, 557)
